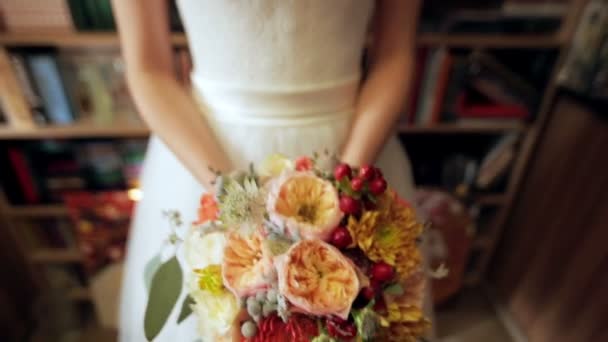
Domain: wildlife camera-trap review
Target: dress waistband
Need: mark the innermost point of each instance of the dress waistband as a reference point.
(276, 107)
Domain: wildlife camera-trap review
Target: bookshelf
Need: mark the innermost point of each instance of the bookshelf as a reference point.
(76, 131)
(502, 202)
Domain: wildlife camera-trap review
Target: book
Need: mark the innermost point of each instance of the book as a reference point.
(47, 78)
(416, 85)
(14, 104)
(92, 15)
(440, 88)
(24, 175)
(96, 86)
(429, 84)
(467, 108)
(493, 172)
(27, 86)
(457, 81)
(497, 160)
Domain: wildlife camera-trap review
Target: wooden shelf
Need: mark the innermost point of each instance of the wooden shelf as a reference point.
(33, 211)
(55, 256)
(72, 39)
(79, 294)
(491, 199)
(83, 130)
(455, 128)
(110, 39)
(526, 41)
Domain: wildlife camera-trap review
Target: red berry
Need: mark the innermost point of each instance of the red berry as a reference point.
(380, 306)
(367, 172)
(349, 205)
(378, 173)
(357, 184)
(382, 272)
(368, 292)
(341, 171)
(303, 164)
(378, 186)
(376, 285)
(341, 238)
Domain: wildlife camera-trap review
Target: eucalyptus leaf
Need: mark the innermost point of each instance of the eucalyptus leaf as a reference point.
(151, 267)
(164, 291)
(186, 309)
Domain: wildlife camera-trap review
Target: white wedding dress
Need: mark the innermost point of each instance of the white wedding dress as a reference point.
(271, 76)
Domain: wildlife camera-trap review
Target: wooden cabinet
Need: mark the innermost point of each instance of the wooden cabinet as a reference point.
(551, 268)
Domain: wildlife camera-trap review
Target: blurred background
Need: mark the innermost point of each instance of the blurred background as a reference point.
(506, 125)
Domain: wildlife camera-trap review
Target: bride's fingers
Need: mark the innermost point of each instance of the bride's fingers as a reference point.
(236, 326)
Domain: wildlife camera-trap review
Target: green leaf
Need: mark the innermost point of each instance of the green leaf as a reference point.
(151, 268)
(164, 292)
(186, 309)
(394, 289)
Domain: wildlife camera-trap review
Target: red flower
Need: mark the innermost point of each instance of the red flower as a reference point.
(299, 328)
(209, 210)
(304, 164)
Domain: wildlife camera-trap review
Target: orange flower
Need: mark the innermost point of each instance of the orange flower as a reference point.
(304, 163)
(208, 211)
(316, 278)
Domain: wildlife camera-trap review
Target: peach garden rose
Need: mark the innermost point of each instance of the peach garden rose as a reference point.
(316, 278)
(306, 205)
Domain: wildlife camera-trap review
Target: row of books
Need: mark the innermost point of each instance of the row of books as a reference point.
(64, 16)
(67, 86)
(43, 172)
(449, 86)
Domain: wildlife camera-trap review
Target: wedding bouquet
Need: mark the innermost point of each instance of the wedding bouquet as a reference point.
(290, 251)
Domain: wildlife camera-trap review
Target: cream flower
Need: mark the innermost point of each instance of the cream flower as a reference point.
(274, 165)
(204, 250)
(215, 310)
(317, 279)
(215, 313)
(306, 205)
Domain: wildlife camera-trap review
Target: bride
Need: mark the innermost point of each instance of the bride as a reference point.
(270, 76)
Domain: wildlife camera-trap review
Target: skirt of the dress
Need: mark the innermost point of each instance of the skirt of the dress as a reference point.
(167, 185)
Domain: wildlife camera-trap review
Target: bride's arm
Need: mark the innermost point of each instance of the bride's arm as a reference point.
(165, 105)
(381, 96)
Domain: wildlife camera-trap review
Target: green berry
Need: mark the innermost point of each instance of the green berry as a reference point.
(254, 308)
(268, 308)
(249, 329)
(271, 295)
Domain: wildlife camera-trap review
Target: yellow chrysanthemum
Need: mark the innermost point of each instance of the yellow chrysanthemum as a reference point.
(404, 311)
(210, 279)
(404, 332)
(389, 234)
(306, 205)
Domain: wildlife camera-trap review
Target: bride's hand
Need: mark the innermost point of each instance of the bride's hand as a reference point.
(236, 327)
